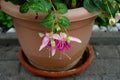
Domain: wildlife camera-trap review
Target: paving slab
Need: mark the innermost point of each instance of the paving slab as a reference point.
(3, 77)
(22, 77)
(105, 38)
(118, 49)
(25, 72)
(88, 77)
(106, 51)
(65, 78)
(9, 52)
(9, 68)
(111, 77)
(108, 66)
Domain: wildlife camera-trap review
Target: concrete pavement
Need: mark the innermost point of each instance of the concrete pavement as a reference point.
(105, 65)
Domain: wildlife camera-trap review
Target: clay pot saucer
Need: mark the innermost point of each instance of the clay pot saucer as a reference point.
(82, 65)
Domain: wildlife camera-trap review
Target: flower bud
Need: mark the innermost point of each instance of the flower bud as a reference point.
(68, 39)
(57, 28)
(112, 21)
(52, 43)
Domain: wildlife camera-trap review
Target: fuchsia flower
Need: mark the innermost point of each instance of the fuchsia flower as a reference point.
(63, 41)
(117, 17)
(57, 41)
(46, 38)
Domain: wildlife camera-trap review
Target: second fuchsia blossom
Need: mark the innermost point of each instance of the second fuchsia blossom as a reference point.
(57, 41)
(117, 16)
(113, 21)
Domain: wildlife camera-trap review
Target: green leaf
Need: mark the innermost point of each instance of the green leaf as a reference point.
(112, 9)
(5, 19)
(90, 6)
(48, 21)
(24, 8)
(40, 6)
(64, 21)
(37, 7)
(66, 1)
(101, 20)
(118, 1)
(54, 1)
(98, 3)
(61, 8)
(34, 1)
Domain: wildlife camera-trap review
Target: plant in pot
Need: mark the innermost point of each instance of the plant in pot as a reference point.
(54, 34)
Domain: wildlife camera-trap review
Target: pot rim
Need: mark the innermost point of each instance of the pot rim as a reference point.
(76, 14)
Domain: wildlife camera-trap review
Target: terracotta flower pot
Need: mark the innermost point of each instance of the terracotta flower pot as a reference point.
(84, 62)
(27, 28)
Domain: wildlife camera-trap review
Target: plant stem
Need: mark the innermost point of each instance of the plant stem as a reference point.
(109, 9)
(55, 15)
(66, 30)
(56, 18)
(53, 6)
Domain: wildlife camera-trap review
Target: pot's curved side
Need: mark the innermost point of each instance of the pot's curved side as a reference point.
(30, 42)
(28, 29)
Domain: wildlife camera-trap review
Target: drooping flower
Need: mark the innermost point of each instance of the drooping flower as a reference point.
(46, 38)
(117, 16)
(47, 41)
(57, 41)
(63, 41)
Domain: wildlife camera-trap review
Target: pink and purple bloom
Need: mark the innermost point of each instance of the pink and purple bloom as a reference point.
(57, 41)
(117, 16)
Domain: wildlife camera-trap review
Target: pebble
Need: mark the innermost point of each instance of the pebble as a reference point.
(109, 28)
(11, 30)
(103, 28)
(118, 26)
(0, 30)
(96, 28)
(112, 28)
